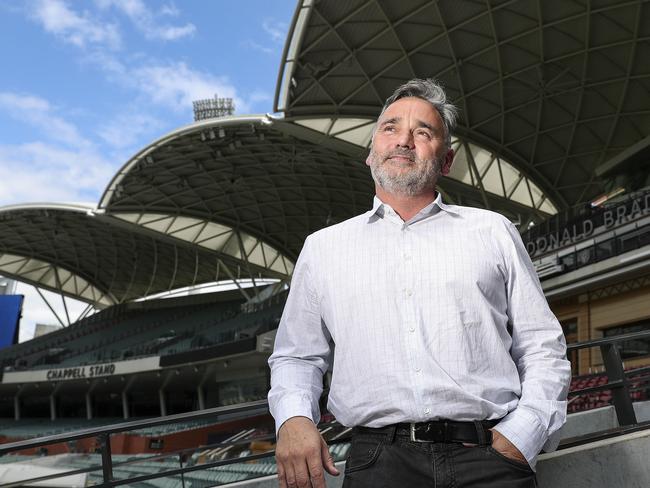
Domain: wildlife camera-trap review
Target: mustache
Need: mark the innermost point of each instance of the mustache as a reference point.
(405, 153)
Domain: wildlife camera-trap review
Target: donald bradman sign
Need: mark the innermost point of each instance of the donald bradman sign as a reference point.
(606, 219)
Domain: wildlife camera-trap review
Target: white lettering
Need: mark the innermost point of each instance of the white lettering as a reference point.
(608, 218)
(530, 247)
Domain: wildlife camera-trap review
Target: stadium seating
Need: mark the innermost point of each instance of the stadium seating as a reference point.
(637, 382)
(121, 333)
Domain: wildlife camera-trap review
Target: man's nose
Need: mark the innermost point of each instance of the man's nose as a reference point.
(405, 139)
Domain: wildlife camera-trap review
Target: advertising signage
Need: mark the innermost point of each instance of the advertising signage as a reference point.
(10, 312)
(584, 227)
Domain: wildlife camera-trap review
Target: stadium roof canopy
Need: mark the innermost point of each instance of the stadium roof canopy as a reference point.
(69, 249)
(556, 88)
(255, 184)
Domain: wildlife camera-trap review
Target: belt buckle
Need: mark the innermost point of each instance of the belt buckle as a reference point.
(413, 433)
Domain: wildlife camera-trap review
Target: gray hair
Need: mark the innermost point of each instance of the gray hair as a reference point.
(431, 91)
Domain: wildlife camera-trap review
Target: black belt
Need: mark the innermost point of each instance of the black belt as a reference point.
(476, 432)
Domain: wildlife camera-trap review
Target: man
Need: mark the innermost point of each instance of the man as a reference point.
(446, 358)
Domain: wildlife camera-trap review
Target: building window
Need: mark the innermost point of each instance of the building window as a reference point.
(635, 348)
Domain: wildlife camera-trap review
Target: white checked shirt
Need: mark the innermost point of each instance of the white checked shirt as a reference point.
(440, 317)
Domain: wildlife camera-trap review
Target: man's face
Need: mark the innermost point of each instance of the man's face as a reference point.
(409, 152)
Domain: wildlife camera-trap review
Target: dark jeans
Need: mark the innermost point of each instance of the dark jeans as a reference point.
(394, 461)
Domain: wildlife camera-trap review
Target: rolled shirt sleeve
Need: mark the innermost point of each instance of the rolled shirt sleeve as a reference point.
(539, 352)
(302, 348)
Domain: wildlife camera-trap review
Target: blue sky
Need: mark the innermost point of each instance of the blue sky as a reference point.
(86, 84)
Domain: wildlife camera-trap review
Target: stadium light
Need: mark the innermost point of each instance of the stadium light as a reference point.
(212, 108)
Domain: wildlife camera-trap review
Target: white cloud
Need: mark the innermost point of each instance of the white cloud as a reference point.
(276, 30)
(170, 10)
(145, 20)
(176, 86)
(41, 172)
(127, 129)
(80, 29)
(259, 47)
(39, 113)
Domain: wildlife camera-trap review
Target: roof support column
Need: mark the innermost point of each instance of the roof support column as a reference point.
(89, 406)
(234, 279)
(52, 406)
(49, 306)
(125, 397)
(17, 407)
(201, 388)
(162, 399)
(125, 405)
(60, 287)
(163, 403)
(89, 400)
(200, 394)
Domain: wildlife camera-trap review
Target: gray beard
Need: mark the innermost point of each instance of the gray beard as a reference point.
(420, 178)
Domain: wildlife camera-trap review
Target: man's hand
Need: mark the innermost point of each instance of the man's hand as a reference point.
(501, 444)
(301, 455)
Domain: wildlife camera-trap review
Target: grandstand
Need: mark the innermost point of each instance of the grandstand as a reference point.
(554, 134)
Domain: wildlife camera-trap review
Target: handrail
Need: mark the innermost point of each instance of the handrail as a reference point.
(608, 340)
(618, 383)
(261, 405)
(617, 380)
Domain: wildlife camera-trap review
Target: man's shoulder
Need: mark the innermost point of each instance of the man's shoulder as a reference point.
(340, 229)
(479, 215)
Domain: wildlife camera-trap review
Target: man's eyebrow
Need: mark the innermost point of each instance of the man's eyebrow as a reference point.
(392, 120)
(422, 123)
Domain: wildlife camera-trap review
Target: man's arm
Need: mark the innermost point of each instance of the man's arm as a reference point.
(299, 360)
(538, 350)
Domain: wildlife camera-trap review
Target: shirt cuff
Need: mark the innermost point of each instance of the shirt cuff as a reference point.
(293, 406)
(523, 429)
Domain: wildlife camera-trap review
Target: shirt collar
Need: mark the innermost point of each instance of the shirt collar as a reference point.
(379, 209)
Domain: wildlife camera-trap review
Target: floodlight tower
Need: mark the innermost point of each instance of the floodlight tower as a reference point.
(211, 108)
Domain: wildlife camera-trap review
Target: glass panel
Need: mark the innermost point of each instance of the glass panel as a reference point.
(492, 180)
(521, 194)
(321, 125)
(460, 169)
(481, 158)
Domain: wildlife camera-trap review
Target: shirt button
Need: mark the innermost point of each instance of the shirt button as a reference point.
(411, 329)
(417, 369)
(408, 293)
(407, 257)
(427, 411)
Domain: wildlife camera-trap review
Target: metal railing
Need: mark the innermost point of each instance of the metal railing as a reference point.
(617, 379)
(618, 383)
(102, 435)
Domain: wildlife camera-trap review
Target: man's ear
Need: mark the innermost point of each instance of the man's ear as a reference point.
(446, 165)
(368, 160)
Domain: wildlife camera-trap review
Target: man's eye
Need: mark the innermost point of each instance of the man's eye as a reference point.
(389, 128)
(424, 133)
